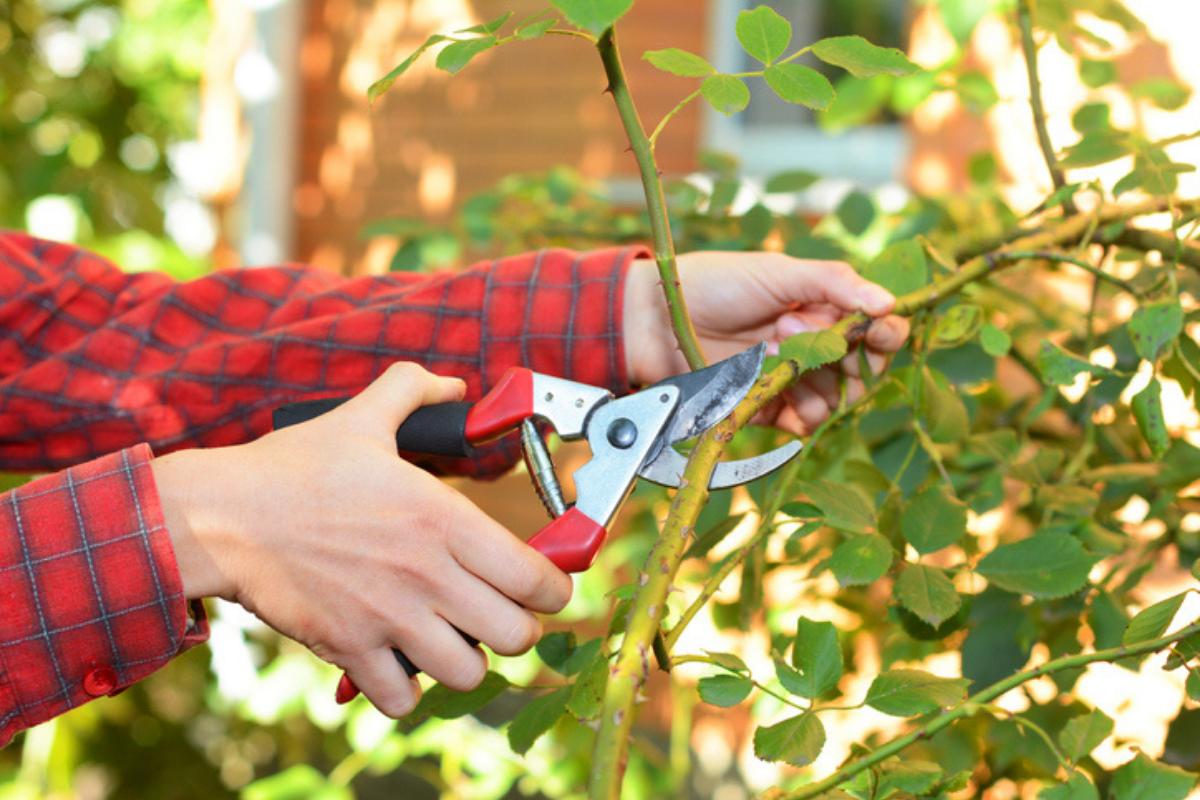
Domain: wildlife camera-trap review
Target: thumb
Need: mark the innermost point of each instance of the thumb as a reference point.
(401, 389)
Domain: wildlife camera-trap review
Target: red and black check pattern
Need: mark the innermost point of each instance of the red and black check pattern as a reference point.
(93, 360)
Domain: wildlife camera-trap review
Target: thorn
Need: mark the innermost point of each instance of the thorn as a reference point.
(607, 89)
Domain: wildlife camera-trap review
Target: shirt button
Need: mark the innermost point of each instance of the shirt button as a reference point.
(99, 681)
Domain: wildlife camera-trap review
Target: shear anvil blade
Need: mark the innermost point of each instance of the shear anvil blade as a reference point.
(708, 395)
(667, 468)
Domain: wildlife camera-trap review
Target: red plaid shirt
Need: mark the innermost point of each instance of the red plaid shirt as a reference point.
(94, 360)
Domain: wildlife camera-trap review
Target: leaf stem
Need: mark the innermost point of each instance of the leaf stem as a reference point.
(973, 704)
(656, 204)
(662, 123)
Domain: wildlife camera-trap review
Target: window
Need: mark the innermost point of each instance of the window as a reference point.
(771, 135)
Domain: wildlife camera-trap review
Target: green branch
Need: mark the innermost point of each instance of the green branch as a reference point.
(1029, 50)
(1187, 253)
(975, 703)
(656, 204)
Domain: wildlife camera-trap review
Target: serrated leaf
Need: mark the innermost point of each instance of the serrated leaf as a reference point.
(679, 62)
(1154, 326)
(844, 506)
(933, 519)
(908, 692)
(909, 775)
(856, 212)
(535, 30)
(797, 740)
(593, 15)
(818, 656)
(1152, 622)
(927, 592)
(587, 693)
(995, 341)
(456, 55)
(1083, 734)
(813, 349)
(1148, 411)
(725, 690)
(725, 93)
(861, 58)
(445, 703)
(799, 84)
(1047, 565)
(383, 84)
(728, 661)
(1059, 368)
(860, 560)
(763, 33)
(1146, 779)
(790, 181)
(1077, 787)
(491, 26)
(901, 268)
(537, 717)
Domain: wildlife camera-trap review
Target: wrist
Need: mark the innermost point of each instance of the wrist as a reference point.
(192, 507)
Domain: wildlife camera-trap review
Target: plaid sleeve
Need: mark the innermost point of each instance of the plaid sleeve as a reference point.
(91, 594)
(93, 359)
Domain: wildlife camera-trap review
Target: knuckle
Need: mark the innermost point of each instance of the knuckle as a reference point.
(520, 636)
(467, 674)
(397, 704)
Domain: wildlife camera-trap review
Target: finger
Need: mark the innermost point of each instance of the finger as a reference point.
(854, 390)
(887, 335)
(788, 420)
(379, 676)
(401, 389)
(806, 321)
(809, 407)
(487, 549)
(837, 283)
(476, 608)
(875, 361)
(441, 652)
(824, 382)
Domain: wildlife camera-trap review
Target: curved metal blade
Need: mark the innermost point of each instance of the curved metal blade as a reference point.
(708, 395)
(667, 468)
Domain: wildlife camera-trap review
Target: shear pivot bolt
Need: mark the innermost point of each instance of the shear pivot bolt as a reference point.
(622, 433)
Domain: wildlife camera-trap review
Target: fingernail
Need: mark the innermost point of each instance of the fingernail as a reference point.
(875, 299)
(346, 691)
(790, 326)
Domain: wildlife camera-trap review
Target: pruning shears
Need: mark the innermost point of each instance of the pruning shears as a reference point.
(630, 437)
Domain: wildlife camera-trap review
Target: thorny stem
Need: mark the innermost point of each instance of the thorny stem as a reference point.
(1029, 50)
(656, 204)
(974, 704)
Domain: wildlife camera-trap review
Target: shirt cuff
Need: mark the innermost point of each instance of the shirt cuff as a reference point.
(92, 596)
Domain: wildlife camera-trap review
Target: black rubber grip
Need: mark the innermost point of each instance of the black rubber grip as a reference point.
(439, 430)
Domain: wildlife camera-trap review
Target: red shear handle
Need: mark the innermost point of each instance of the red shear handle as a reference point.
(571, 541)
(503, 408)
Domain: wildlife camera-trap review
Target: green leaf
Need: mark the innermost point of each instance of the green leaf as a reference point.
(1097, 73)
(491, 26)
(961, 16)
(942, 410)
(861, 560)
(1077, 787)
(297, 782)
(797, 740)
(1083, 734)
(933, 519)
(861, 58)
(958, 325)
(555, 647)
(976, 92)
(1152, 622)
(995, 341)
(1046, 565)
(911, 776)
(537, 717)
(1193, 686)
(587, 693)
(813, 349)
(856, 212)
(679, 62)
(709, 538)
(1096, 148)
(1092, 117)
(791, 181)
(725, 690)
(1154, 326)
(799, 84)
(843, 506)
(728, 661)
(445, 703)
(928, 593)
(858, 101)
(756, 224)
(818, 656)
(1107, 619)
(593, 15)
(535, 30)
(763, 33)
(383, 84)
(1146, 779)
(1162, 92)
(901, 268)
(908, 692)
(1148, 411)
(725, 93)
(456, 55)
(1059, 368)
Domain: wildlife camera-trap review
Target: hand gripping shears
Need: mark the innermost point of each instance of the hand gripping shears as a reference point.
(630, 437)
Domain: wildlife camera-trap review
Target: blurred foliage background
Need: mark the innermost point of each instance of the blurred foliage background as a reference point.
(98, 106)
